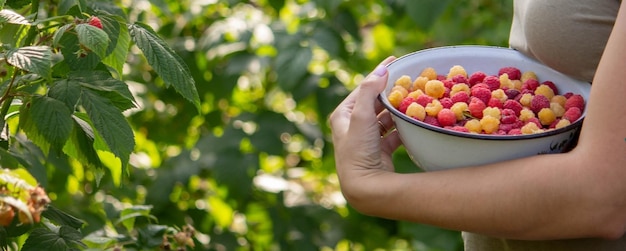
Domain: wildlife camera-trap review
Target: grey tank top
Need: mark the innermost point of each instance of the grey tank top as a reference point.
(569, 36)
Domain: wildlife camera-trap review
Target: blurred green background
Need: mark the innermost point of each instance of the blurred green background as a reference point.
(255, 170)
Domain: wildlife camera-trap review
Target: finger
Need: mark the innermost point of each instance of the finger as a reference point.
(378, 105)
(368, 91)
(386, 121)
(391, 142)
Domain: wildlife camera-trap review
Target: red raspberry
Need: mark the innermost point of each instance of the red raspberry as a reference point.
(476, 77)
(479, 85)
(572, 114)
(493, 82)
(460, 97)
(554, 123)
(446, 117)
(424, 100)
(514, 73)
(512, 93)
(568, 94)
(515, 131)
(95, 21)
(552, 86)
(530, 84)
(459, 128)
(508, 116)
(459, 79)
(476, 107)
(576, 100)
(494, 102)
(405, 104)
(447, 83)
(431, 121)
(536, 121)
(446, 102)
(481, 93)
(441, 77)
(539, 102)
(513, 105)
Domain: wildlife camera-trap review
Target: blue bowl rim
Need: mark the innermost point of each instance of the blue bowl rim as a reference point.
(397, 113)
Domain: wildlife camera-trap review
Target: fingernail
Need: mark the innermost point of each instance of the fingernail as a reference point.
(380, 70)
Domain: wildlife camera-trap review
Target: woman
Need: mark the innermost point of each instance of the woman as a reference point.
(569, 201)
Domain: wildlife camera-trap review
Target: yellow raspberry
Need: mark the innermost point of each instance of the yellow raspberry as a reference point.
(526, 99)
(457, 70)
(490, 124)
(545, 90)
(546, 116)
(401, 89)
(531, 128)
(435, 88)
(528, 75)
(500, 95)
(415, 94)
(562, 123)
(395, 98)
(474, 126)
(416, 111)
(526, 114)
(517, 84)
(429, 73)
(460, 88)
(559, 99)
(433, 108)
(459, 110)
(557, 108)
(404, 81)
(505, 82)
(420, 83)
(492, 111)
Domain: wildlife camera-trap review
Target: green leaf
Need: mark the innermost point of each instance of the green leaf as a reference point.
(61, 218)
(128, 215)
(9, 16)
(115, 90)
(93, 38)
(110, 124)
(52, 120)
(425, 12)
(66, 91)
(120, 42)
(61, 239)
(291, 69)
(58, 34)
(81, 144)
(35, 59)
(165, 62)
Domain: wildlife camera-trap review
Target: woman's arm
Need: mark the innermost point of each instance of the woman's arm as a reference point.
(581, 193)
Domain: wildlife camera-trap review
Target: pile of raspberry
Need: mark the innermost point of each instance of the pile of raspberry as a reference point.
(509, 103)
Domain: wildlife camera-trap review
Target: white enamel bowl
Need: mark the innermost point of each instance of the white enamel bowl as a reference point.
(433, 148)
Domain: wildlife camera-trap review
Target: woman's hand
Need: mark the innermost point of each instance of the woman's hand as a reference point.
(363, 135)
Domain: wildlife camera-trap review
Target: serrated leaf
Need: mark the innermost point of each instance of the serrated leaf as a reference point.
(9, 16)
(292, 69)
(81, 144)
(61, 218)
(110, 124)
(35, 59)
(128, 215)
(93, 38)
(115, 90)
(120, 42)
(51, 119)
(165, 62)
(66, 91)
(58, 34)
(425, 12)
(65, 238)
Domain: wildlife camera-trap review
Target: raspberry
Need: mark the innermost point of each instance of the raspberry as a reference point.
(513, 72)
(545, 91)
(476, 107)
(405, 104)
(424, 100)
(559, 99)
(513, 105)
(476, 77)
(500, 95)
(505, 82)
(459, 109)
(539, 102)
(530, 84)
(420, 83)
(575, 100)
(546, 116)
(473, 126)
(562, 123)
(459, 88)
(395, 98)
(515, 131)
(446, 117)
(435, 88)
(433, 108)
(459, 129)
(572, 114)
(479, 85)
(482, 93)
(415, 94)
(416, 111)
(429, 73)
(95, 21)
(557, 109)
(460, 97)
(490, 124)
(508, 116)
(431, 121)
(493, 82)
(568, 94)
(459, 79)
(448, 83)
(404, 81)
(552, 86)
(446, 102)
(457, 70)
(512, 93)
(528, 75)
(534, 121)
(494, 102)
